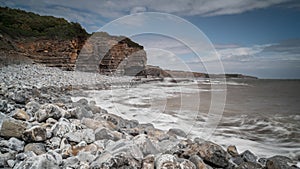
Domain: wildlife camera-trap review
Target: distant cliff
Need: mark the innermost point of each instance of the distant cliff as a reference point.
(44, 39)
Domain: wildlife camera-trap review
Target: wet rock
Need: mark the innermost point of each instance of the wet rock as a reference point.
(157, 134)
(186, 164)
(248, 156)
(4, 158)
(213, 154)
(232, 151)
(167, 146)
(32, 107)
(37, 148)
(20, 114)
(116, 120)
(91, 123)
(50, 111)
(12, 128)
(198, 162)
(148, 162)
(145, 144)
(3, 106)
(262, 161)
(12, 144)
(41, 161)
(165, 161)
(35, 134)
(81, 135)
(176, 132)
(249, 165)
(62, 127)
(278, 162)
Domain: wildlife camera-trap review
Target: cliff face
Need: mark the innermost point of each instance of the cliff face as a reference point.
(111, 55)
(43, 39)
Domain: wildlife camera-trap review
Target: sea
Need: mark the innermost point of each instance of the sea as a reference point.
(260, 115)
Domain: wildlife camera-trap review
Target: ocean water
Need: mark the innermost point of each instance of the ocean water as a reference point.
(262, 116)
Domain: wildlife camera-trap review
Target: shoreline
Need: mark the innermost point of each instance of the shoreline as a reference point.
(53, 130)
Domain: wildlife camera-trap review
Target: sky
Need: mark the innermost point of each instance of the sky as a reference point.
(254, 37)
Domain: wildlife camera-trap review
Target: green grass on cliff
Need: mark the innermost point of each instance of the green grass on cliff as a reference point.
(21, 24)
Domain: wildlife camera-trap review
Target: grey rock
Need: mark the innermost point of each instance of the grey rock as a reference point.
(103, 133)
(22, 156)
(85, 157)
(12, 128)
(165, 161)
(5, 157)
(80, 113)
(145, 144)
(262, 161)
(32, 107)
(248, 156)
(20, 114)
(53, 143)
(120, 160)
(278, 162)
(198, 162)
(3, 106)
(148, 162)
(166, 146)
(11, 163)
(37, 148)
(49, 111)
(249, 165)
(213, 154)
(41, 161)
(81, 135)
(186, 164)
(62, 127)
(71, 162)
(35, 133)
(19, 97)
(12, 144)
(177, 132)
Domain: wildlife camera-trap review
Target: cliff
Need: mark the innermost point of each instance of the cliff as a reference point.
(41, 39)
(111, 55)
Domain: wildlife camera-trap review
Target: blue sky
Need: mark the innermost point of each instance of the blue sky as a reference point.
(259, 38)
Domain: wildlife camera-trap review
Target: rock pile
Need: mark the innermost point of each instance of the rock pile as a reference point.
(44, 128)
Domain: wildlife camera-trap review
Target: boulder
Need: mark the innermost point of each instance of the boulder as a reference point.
(42, 161)
(232, 151)
(249, 165)
(37, 148)
(213, 154)
(49, 111)
(12, 128)
(145, 144)
(186, 164)
(35, 134)
(32, 107)
(4, 158)
(165, 161)
(248, 156)
(198, 162)
(12, 144)
(148, 162)
(278, 162)
(62, 127)
(176, 132)
(20, 114)
(81, 135)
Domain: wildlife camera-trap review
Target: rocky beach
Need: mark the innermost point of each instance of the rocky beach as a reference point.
(41, 127)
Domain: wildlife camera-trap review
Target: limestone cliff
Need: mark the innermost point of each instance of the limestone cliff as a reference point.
(111, 55)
